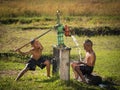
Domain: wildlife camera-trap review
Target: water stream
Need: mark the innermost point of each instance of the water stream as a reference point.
(77, 47)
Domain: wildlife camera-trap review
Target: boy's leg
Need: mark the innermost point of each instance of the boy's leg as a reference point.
(73, 65)
(22, 73)
(77, 69)
(47, 63)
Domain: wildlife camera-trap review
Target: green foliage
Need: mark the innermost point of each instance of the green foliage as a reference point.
(45, 22)
(96, 31)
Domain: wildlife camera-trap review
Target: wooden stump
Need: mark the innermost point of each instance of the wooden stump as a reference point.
(93, 79)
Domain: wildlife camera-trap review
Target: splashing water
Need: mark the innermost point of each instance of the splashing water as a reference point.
(77, 45)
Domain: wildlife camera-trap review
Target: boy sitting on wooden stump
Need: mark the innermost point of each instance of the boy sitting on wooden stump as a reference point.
(85, 67)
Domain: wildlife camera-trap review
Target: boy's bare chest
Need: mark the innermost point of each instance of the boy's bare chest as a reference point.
(37, 52)
(88, 57)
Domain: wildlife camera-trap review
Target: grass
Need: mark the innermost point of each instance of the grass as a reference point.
(78, 13)
(107, 50)
(22, 20)
(38, 80)
(68, 7)
(107, 64)
(32, 82)
(45, 22)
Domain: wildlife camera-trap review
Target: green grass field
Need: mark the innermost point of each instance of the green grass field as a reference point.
(23, 20)
(107, 49)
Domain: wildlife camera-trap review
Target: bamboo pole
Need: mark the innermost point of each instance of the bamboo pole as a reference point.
(34, 39)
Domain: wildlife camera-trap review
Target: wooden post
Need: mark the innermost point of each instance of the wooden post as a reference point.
(65, 63)
(56, 60)
(62, 65)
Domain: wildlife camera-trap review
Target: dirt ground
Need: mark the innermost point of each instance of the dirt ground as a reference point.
(8, 72)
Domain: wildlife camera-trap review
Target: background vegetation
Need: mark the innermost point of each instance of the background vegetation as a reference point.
(75, 13)
(30, 8)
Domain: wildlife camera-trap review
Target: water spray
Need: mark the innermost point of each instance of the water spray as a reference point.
(78, 48)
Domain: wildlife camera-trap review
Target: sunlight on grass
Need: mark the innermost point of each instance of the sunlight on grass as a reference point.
(107, 50)
(23, 20)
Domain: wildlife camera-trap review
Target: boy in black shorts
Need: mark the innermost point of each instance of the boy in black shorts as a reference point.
(36, 59)
(85, 67)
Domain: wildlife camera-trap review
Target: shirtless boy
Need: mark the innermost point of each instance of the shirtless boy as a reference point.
(36, 59)
(85, 67)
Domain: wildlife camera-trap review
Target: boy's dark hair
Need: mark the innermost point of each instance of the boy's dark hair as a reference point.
(32, 41)
(89, 41)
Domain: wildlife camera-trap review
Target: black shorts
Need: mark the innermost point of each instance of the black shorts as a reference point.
(85, 69)
(31, 64)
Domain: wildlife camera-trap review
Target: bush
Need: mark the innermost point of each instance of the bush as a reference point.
(96, 31)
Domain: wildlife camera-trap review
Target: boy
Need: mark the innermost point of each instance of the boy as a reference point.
(35, 59)
(85, 67)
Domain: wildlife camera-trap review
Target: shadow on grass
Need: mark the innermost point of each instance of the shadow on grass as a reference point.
(73, 84)
(110, 85)
(81, 86)
(68, 84)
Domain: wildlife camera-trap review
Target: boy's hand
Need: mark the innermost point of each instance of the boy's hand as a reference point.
(80, 62)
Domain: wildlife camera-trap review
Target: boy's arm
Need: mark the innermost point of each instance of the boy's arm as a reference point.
(82, 62)
(90, 61)
(40, 45)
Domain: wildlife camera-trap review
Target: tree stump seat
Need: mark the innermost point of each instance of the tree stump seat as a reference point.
(93, 79)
